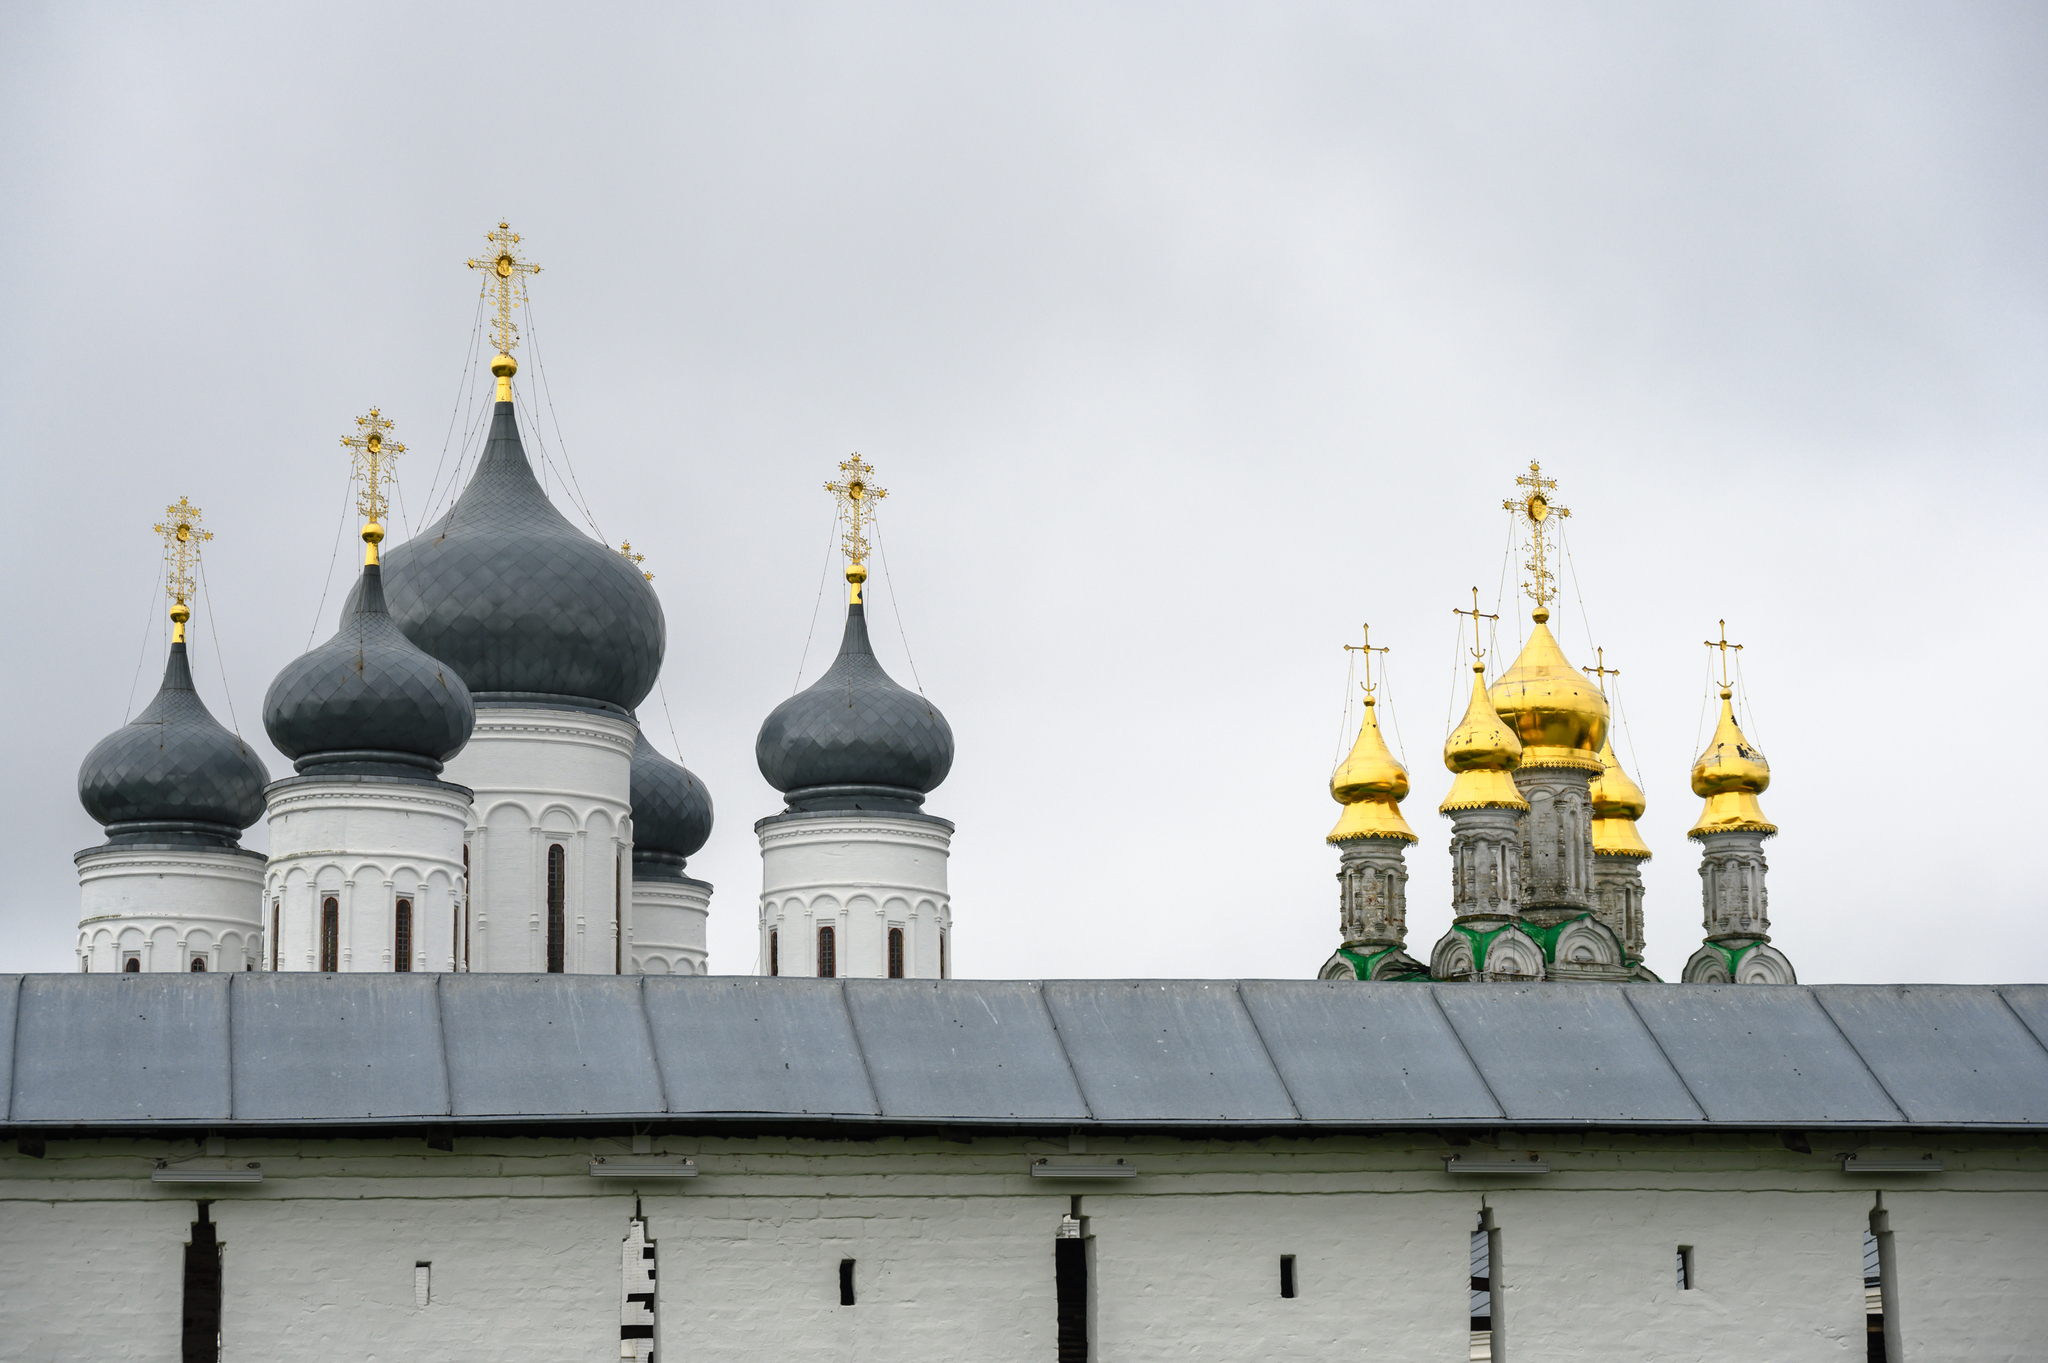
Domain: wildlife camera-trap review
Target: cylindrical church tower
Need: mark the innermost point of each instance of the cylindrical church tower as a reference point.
(671, 820)
(365, 841)
(1731, 830)
(172, 888)
(1372, 873)
(853, 872)
(1487, 940)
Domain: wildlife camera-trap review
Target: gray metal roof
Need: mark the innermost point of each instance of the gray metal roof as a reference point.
(248, 1050)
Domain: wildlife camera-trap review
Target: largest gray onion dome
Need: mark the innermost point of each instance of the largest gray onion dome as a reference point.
(173, 774)
(671, 813)
(524, 606)
(368, 701)
(854, 739)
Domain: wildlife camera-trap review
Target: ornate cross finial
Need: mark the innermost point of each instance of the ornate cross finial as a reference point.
(182, 538)
(1478, 653)
(856, 494)
(1602, 671)
(1368, 648)
(505, 272)
(626, 553)
(1723, 644)
(1536, 508)
(374, 455)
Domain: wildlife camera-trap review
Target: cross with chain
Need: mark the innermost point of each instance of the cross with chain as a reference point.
(1536, 508)
(1724, 646)
(1478, 653)
(373, 458)
(626, 553)
(1368, 648)
(182, 537)
(1602, 671)
(505, 272)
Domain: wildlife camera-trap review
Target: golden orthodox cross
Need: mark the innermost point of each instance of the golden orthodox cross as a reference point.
(373, 455)
(182, 537)
(504, 271)
(626, 553)
(1368, 649)
(856, 494)
(1724, 646)
(1478, 653)
(1602, 671)
(1536, 508)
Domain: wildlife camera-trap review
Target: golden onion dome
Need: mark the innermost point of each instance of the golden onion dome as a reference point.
(1482, 751)
(1560, 718)
(1617, 803)
(1370, 784)
(1729, 775)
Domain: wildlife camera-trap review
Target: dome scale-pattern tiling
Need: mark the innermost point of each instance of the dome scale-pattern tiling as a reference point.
(173, 764)
(368, 700)
(854, 739)
(518, 601)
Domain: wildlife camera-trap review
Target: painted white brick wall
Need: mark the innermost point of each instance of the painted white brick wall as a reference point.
(954, 1246)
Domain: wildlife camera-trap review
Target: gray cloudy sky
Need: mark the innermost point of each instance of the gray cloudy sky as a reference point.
(1185, 337)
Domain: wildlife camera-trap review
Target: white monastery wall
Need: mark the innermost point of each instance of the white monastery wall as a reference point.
(862, 874)
(167, 906)
(545, 778)
(953, 1248)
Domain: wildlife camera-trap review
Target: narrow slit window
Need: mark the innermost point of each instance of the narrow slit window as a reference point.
(1685, 1268)
(774, 952)
(330, 934)
(401, 936)
(558, 908)
(945, 958)
(1070, 1289)
(422, 1283)
(456, 947)
(846, 1282)
(1287, 1275)
(828, 957)
(895, 953)
(200, 1335)
(276, 931)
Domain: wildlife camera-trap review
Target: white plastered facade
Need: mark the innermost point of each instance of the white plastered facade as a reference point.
(953, 1248)
(166, 908)
(864, 874)
(668, 926)
(366, 843)
(545, 777)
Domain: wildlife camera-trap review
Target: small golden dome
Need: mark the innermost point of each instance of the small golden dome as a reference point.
(1482, 751)
(1729, 775)
(1370, 785)
(1560, 718)
(1617, 803)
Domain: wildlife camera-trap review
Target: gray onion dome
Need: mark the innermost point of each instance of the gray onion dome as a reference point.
(854, 739)
(671, 813)
(522, 604)
(368, 701)
(173, 774)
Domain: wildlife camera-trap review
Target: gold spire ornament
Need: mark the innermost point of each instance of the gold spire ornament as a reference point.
(1731, 773)
(1481, 749)
(504, 272)
(626, 553)
(856, 495)
(374, 453)
(1369, 783)
(182, 538)
(1535, 507)
(1617, 800)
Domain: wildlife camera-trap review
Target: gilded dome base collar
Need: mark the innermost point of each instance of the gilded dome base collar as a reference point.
(1371, 819)
(1480, 789)
(1564, 759)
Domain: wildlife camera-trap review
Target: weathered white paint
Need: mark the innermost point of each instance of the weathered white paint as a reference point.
(953, 1245)
(365, 842)
(862, 873)
(545, 777)
(667, 927)
(169, 906)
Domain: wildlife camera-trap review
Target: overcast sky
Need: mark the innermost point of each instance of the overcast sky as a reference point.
(1186, 338)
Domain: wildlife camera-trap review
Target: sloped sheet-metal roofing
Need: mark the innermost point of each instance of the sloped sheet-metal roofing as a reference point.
(108, 1052)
